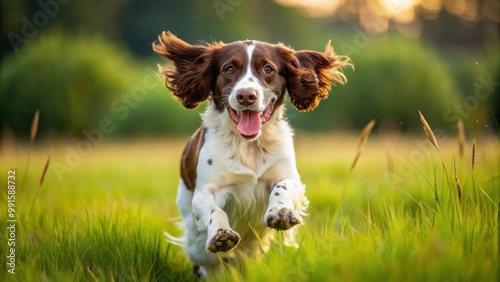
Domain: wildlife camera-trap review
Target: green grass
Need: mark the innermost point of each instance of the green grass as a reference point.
(105, 219)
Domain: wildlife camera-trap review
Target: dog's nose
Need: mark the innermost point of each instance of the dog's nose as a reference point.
(246, 97)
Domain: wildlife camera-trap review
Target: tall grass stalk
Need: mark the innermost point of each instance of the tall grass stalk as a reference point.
(362, 141)
(33, 131)
(433, 140)
(473, 164)
(457, 181)
(40, 183)
(454, 202)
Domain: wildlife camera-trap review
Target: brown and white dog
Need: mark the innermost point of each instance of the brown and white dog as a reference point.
(239, 181)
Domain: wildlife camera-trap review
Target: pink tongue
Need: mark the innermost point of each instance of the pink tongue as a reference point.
(249, 123)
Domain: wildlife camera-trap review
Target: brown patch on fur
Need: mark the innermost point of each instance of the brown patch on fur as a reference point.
(189, 159)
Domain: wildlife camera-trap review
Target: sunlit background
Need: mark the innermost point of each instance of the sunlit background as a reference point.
(82, 62)
(404, 15)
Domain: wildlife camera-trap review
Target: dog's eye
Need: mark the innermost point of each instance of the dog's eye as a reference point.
(268, 70)
(229, 70)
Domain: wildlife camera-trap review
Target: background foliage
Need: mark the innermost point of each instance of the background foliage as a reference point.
(78, 57)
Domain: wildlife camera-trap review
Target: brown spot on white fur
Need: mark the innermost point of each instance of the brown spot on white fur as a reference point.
(190, 155)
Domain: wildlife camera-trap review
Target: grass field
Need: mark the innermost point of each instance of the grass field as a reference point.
(397, 216)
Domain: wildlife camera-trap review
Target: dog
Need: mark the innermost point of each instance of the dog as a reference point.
(239, 182)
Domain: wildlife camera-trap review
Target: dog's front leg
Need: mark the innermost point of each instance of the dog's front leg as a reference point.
(285, 202)
(209, 216)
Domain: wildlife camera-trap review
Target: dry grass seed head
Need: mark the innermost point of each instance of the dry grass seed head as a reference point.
(473, 155)
(44, 172)
(461, 139)
(34, 126)
(457, 181)
(364, 136)
(428, 131)
(365, 133)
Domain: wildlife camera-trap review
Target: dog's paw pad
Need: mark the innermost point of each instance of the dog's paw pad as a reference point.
(284, 219)
(223, 241)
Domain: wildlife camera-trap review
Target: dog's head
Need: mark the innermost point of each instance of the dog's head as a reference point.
(248, 79)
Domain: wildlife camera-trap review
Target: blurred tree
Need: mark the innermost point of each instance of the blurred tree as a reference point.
(225, 20)
(24, 20)
(393, 79)
(138, 23)
(72, 81)
(461, 22)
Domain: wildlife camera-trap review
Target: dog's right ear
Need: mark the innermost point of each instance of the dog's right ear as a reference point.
(192, 76)
(309, 74)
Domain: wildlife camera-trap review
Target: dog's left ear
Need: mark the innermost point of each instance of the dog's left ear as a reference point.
(309, 74)
(191, 77)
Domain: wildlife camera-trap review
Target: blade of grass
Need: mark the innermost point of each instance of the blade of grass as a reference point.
(457, 181)
(40, 184)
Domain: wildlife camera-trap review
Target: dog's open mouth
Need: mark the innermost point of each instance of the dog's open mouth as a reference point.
(248, 123)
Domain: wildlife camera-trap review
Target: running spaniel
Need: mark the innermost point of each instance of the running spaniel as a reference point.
(239, 181)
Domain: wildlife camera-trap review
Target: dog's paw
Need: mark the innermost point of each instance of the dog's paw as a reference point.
(224, 240)
(282, 219)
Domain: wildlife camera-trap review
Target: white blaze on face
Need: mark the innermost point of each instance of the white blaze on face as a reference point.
(249, 119)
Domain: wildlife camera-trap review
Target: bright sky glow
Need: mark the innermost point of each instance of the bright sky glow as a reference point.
(401, 12)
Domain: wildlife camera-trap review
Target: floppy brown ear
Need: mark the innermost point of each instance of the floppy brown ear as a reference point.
(309, 75)
(191, 78)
